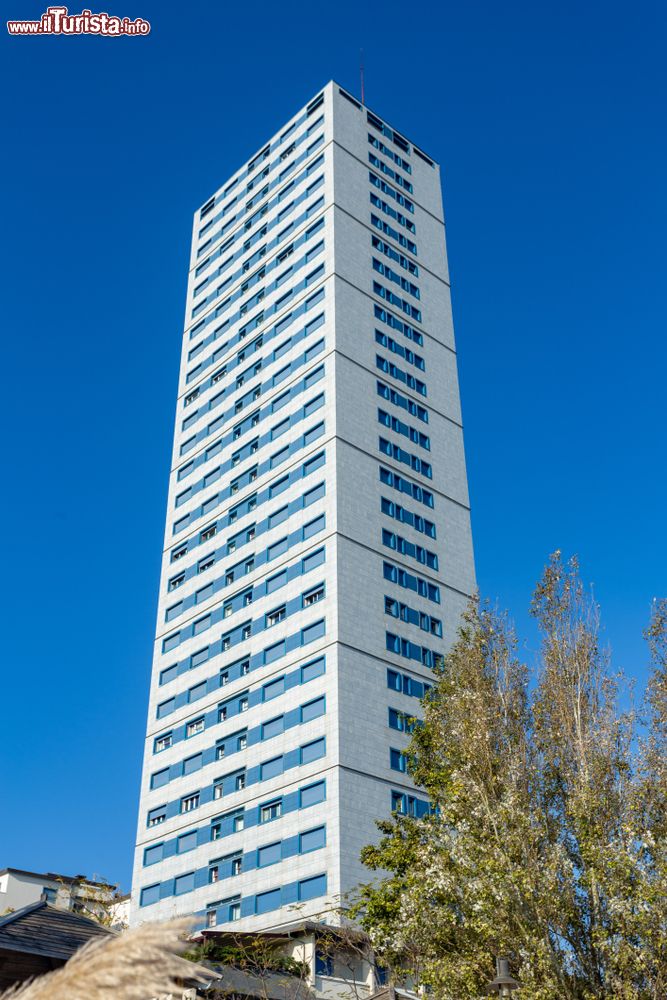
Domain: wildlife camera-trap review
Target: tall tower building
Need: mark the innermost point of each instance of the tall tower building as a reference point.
(317, 549)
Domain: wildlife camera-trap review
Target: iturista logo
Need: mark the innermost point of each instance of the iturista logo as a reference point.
(58, 21)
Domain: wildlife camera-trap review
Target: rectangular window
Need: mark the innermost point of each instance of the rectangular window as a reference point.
(275, 582)
(194, 727)
(273, 688)
(270, 811)
(266, 901)
(312, 840)
(160, 778)
(273, 728)
(187, 842)
(151, 894)
(151, 855)
(274, 652)
(269, 855)
(313, 596)
(312, 710)
(184, 883)
(191, 764)
(312, 632)
(312, 794)
(309, 888)
(276, 616)
(157, 816)
(162, 743)
(313, 751)
(310, 671)
(198, 691)
(271, 768)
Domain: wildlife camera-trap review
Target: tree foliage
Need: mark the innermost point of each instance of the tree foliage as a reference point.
(547, 836)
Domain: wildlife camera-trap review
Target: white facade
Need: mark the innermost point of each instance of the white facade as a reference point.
(20, 888)
(318, 450)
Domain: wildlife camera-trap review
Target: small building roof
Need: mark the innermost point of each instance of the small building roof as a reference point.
(54, 876)
(39, 938)
(40, 929)
(269, 986)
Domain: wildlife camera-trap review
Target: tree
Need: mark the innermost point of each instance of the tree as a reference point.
(547, 835)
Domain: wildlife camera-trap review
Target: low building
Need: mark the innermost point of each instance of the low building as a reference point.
(38, 938)
(335, 963)
(77, 893)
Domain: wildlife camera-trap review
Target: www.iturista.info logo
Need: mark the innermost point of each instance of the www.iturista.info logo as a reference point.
(58, 21)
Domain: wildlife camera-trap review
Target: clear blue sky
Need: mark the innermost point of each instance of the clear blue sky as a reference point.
(549, 121)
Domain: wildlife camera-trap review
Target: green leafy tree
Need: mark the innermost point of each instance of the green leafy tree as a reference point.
(547, 839)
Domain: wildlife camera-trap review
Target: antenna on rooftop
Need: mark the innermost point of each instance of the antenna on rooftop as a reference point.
(361, 73)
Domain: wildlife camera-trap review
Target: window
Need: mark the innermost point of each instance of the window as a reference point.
(274, 652)
(309, 888)
(397, 760)
(50, 894)
(184, 883)
(323, 964)
(271, 768)
(165, 707)
(269, 855)
(265, 901)
(157, 816)
(278, 516)
(151, 856)
(187, 842)
(271, 811)
(312, 751)
(163, 742)
(313, 527)
(199, 657)
(273, 688)
(312, 632)
(198, 691)
(276, 616)
(309, 671)
(312, 710)
(311, 561)
(151, 894)
(312, 840)
(202, 623)
(313, 596)
(312, 794)
(273, 728)
(160, 778)
(193, 763)
(194, 727)
(190, 802)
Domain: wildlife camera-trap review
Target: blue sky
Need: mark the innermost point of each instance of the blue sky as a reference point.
(549, 123)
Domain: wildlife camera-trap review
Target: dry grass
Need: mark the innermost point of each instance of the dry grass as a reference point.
(136, 965)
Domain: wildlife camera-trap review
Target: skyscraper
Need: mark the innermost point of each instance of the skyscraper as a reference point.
(317, 549)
